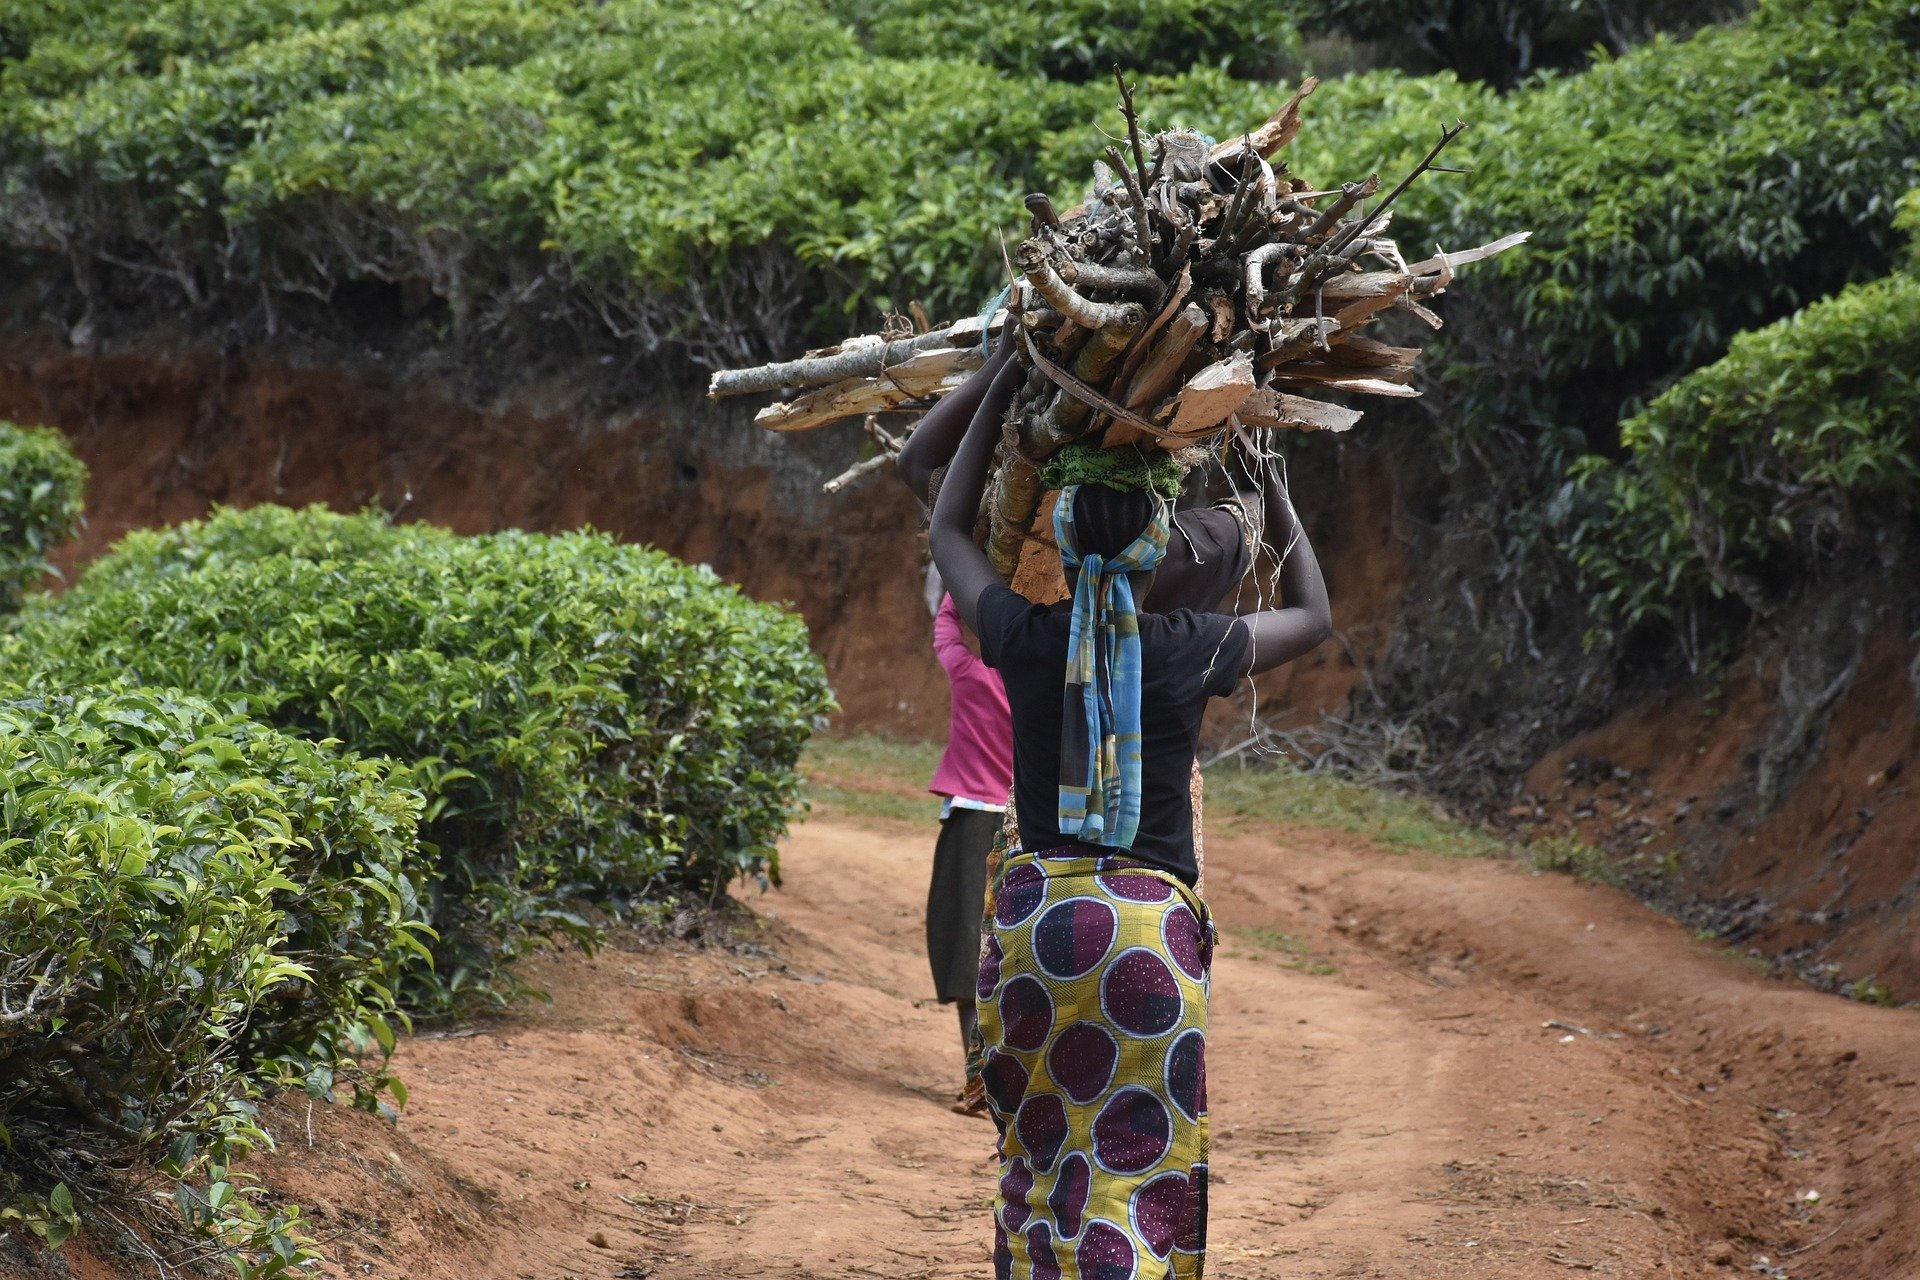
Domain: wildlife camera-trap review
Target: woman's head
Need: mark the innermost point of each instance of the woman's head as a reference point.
(1106, 521)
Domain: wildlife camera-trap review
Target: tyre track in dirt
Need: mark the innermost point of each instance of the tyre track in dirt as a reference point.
(1387, 1102)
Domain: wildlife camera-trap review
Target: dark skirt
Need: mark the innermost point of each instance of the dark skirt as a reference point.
(954, 900)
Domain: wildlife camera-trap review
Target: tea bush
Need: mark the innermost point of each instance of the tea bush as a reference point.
(191, 903)
(1746, 476)
(587, 720)
(42, 497)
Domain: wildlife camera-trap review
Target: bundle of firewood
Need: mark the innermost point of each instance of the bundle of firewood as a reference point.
(1200, 287)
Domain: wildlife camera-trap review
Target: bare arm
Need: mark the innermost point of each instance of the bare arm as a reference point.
(932, 444)
(963, 566)
(1279, 636)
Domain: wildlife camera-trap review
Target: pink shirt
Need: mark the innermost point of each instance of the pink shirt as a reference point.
(978, 762)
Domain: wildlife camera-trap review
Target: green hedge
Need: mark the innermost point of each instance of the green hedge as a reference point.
(42, 498)
(191, 902)
(1744, 477)
(587, 720)
(1679, 195)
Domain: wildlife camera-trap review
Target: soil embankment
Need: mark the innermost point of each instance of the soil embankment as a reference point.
(1418, 1068)
(1815, 857)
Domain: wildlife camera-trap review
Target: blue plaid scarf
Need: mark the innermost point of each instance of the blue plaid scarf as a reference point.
(1100, 718)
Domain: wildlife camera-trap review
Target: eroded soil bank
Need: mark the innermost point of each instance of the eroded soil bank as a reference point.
(1813, 855)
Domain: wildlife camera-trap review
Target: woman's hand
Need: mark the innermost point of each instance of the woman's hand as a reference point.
(933, 442)
(963, 566)
(1278, 636)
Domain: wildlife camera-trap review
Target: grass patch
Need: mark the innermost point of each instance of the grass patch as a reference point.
(1238, 796)
(868, 776)
(1294, 954)
(1574, 856)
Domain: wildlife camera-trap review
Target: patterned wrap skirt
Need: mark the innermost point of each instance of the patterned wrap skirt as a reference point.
(1093, 1016)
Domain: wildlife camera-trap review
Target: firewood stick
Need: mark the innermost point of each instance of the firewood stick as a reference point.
(1133, 124)
(1088, 314)
(1365, 225)
(1134, 282)
(854, 472)
(1308, 335)
(1067, 418)
(1256, 268)
(1351, 193)
(1016, 496)
(1161, 369)
(1137, 204)
(866, 360)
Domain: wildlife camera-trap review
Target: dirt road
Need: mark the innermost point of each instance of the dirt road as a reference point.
(1417, 1069)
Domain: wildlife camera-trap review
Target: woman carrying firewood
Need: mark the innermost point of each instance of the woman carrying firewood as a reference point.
(1093, 984)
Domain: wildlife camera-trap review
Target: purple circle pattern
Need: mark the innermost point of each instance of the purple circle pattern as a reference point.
(1160, 1211)
(1068, 1199)
(1026, 1013)
(1105, 1253)
(1133, 1132)
(1187, 1074)
(1082, 1060)
(1005, 1078)
(1182, 934)
(1041, 1127)
(1192, 1237)
(1015, 1183)
(1140, 994)
(1135, 887)
(1022, 890)
(1040, 1252)
(990, 956)
(1074, 936)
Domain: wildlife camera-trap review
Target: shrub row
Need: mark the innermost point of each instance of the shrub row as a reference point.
(42, 497)
(586, 720)
(191, 902)
(1746, 476)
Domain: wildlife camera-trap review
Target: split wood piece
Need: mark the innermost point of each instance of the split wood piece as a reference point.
(1210, 397)
(1357, 349)
(1142, 344)
(867, 356)
(1298, 337)
(1014, 496)
(1418, 312)
(1063, 297)
(1277, 132)
(1324, 368)
(1480, 254)
(928, 375)
(1269, 408)
(1070, 416)
(1159, 370)
(1342, 380)
(1363, 301)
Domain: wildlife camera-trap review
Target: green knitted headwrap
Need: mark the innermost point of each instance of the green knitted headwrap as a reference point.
(1124, 469)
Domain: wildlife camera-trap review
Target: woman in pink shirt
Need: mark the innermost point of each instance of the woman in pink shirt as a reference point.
(974, 776)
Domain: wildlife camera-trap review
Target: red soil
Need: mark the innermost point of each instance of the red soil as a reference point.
(166, 436)
(1836, 865)
(1389, 1098)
